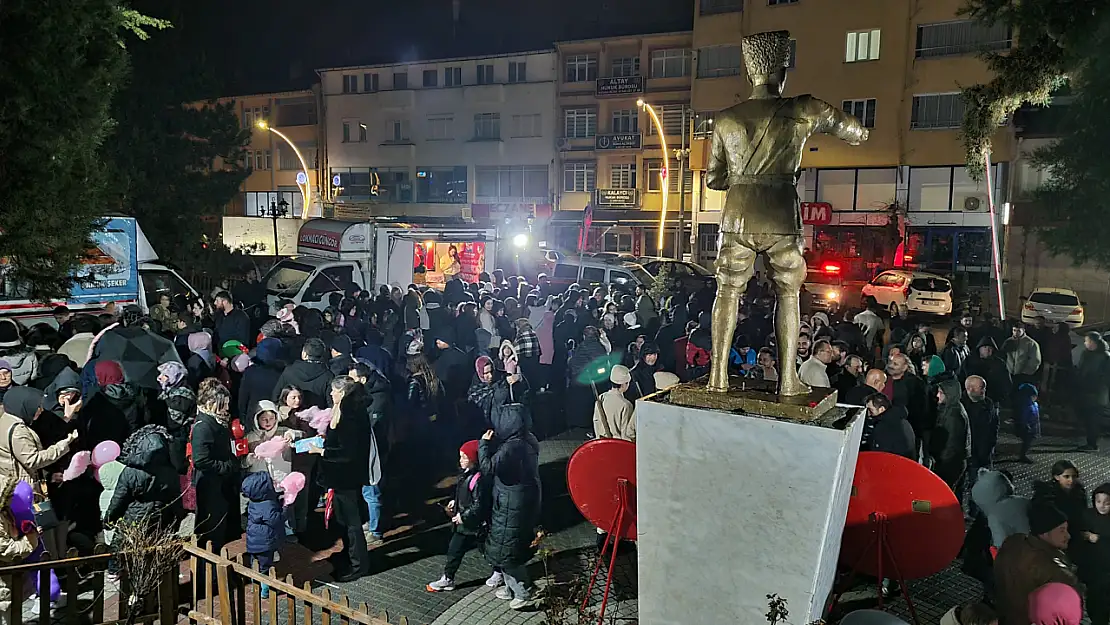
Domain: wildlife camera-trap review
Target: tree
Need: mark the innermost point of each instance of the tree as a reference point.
(61, 61)
(175, 165)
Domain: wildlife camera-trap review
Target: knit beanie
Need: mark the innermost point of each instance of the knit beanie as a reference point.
(1045, 517)
(470, 450)
(108, 372)
(342, 344)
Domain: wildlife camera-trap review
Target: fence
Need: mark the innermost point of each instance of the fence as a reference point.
(224, 591)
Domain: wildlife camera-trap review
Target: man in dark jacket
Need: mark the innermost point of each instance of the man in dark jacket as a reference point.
(1092, 393)
(956, 352)
(341, 361)
(886, 429)
(310, 375)
(909, 393)
(987, 365)
(873, 382)
(148, 489)
(1028, 561)
(950, 443)
(232, 324)
(259, 379)
(982, 417)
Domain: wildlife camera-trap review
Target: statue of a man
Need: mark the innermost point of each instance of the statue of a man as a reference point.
(756, 152)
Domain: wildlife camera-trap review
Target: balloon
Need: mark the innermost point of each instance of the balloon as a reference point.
(272, 448)
(23, 509)
(23, 502)
(104, 453)
(77, 466)
(291, 485)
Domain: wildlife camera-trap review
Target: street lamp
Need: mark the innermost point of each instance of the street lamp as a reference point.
(663, 175)
(306, 190)
(276, 211)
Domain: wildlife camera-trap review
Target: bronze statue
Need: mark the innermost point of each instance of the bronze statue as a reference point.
(756, 152)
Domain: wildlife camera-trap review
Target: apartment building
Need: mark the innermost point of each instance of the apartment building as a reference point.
(467, 137)
(897, 65)
(609, 151)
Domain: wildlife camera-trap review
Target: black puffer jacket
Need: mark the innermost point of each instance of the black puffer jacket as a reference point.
(992, 369)
(260, 378)
(950, 444)
(181, 413)
(313, 378)
(472, 501)
(113, 413)
(889, 432)
(1092, 377)
(148, 489)
(512, 459)
(346, 459)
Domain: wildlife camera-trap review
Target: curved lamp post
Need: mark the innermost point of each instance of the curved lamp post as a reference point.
(664, 188)
(306, 190)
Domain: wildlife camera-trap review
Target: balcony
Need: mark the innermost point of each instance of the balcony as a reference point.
(619, 86)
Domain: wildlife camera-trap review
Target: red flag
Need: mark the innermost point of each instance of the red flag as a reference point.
(587, 221)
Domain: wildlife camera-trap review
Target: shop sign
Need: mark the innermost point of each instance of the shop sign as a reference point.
(816, 213)
(619, 85)
(617, 198)
(621, 141)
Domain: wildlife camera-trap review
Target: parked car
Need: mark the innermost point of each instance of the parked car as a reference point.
(692, 276)
(826, 284)
(598, 271)
(1055, 305)
(912, 291)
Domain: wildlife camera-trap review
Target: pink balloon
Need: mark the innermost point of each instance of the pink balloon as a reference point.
(105, 452)
(292, 485)
(77, 466)
(272, 448)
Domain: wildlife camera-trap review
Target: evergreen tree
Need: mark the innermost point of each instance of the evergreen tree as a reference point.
(61, 61)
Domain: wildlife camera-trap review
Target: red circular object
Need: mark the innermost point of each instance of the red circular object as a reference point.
(925, 527)
(594, 473)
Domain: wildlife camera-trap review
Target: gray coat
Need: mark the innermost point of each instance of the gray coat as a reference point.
(1006, 514)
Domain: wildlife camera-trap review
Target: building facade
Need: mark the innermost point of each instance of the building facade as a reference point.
(466, 137)
(898, 66)
(609, 150)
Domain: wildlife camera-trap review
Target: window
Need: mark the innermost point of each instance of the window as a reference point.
(578, 177)
(709, 7)
(673, 63)
(350, 83)
(396, 131)
(445, 185)
(332, 279)
(930, 189)
(622, 176)
(512, 182)
(361, 132)
(960, 37)
(703, 124)
(863, 110)
(485, 74)
(346, 131)
(626, 66)
(937, 110)
(257, 160)
(400, 80)
(452, 77)
(518, 71)
(159, 283)
(526, 125)
(439, 128)
(579, 123)
(430, 78)
(671, 116)
(653, 169)
(718, 61)
(369, 82)
(875, 188)
(593, 275)
(837, 187)
(626, 120)
(613, 242)
(708, 238)
(487, 126)
(862, 45)
(287, 158)
(778, 2)
(581, 68)
(792, 62)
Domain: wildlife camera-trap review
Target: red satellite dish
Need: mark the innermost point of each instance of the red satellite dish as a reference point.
(595, 473)
(924, 522)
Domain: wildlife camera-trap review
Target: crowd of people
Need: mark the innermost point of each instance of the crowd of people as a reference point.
(476, 372)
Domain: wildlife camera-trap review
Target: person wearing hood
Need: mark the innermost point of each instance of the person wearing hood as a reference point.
(310, 374)
(1027, 419)
(265, 522)
(1027, 562)
(643, 373)
(201, 362)
(1092, 388)
(15, 545)
(1006, 513)
(1093, 555)
(267, 426)
(374, 351)
(509, 454)
(986, 364)
(181, 411)
(22, 361)
(7, 380)
(1065, 492)
(258, 381)
(215, 468)
(887, 429)
(950, 443)
(341, 360)
(116, 410)
(452, 366)
(956, 352)
(148, 488)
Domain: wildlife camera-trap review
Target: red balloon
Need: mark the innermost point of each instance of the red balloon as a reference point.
(593, 475)
(925, 522)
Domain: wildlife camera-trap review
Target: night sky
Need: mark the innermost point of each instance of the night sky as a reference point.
(255, 46)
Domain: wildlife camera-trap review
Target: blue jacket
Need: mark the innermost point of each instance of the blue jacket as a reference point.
(1028, 417)
(265, 523)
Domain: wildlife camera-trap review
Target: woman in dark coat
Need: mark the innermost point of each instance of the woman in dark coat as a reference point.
(116, 410)
(510, 453)
(345, 467)
(215, 469)
(148, 489)
(181, 411)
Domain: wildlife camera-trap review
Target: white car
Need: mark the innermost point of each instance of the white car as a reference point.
(912, 291)
(1055, 305)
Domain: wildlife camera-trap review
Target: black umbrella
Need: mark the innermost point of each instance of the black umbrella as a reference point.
(138, 351)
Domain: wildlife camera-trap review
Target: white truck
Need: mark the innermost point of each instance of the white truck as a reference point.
(121, 268)
(334, 254)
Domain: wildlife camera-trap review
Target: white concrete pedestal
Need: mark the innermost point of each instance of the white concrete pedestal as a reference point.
(733, 508)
